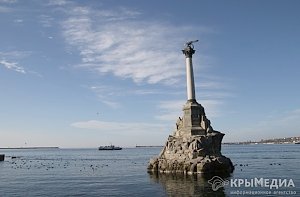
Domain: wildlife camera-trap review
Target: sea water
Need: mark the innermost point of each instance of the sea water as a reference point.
(90, 172)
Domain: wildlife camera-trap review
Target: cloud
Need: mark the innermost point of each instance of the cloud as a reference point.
(9, 60)
(4, 9)
(212, 107)
(125, 133)
(46, 21)
(284, 121)
(147, 91)
(121, 42)
(118, 42)
(15, 54)
(106, 94)
(112, 126)
(171, 110)
(58, 2)
(18, 21)
(8, 1)
(214, 95)
(13, 66)
(279, 124)
(106, 90)
(209, 84)
(112, 104)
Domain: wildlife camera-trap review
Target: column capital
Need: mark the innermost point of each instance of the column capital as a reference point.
(188, 51)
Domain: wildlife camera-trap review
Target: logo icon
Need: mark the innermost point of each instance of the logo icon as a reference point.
(217, 182)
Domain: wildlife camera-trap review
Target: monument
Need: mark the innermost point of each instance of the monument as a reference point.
(194, 147)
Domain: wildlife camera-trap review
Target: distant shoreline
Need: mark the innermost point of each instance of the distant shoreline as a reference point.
(32, 148)
(147, 146)
(256, 143)
(285, 140)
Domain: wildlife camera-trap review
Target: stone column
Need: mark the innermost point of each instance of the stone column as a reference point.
(189, 51)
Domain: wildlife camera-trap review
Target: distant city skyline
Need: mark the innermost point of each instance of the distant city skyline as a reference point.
(91, 73)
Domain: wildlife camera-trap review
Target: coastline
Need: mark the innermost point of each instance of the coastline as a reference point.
(42, 147)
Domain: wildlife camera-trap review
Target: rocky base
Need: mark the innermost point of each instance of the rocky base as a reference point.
(209, 164)
(194, 154)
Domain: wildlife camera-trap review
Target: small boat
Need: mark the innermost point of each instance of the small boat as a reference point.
(110, 147)
(297, 142)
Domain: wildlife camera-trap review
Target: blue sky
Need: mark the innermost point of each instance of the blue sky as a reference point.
(89, 73)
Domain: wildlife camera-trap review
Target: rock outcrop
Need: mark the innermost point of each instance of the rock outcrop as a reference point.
(194, 147)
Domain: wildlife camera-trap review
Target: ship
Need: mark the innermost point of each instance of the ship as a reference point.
(110, 147)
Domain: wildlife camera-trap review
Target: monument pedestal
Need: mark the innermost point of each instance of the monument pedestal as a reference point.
(194, 147)
(197, 154)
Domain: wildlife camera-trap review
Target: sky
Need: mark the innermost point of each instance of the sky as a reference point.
(79, 74)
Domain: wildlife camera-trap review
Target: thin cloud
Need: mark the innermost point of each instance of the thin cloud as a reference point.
(18, 21)
(13, 66)
(117, 42)
(285, 121)
(212, 107)
(57, 2)
(46, 21)
(106, 90)
(8, 1)
(140, 133)
(105, 95)
(210, 85)
(147, 91)
(10, 60)
(4, 9)
(113, 126)
(279, 124)
(214, 95)
(112, 104)
(171, 110)
(15, 54)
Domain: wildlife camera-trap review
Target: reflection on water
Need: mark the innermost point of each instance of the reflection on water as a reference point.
(186, 185)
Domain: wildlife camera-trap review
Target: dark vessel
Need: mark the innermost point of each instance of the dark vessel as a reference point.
(110, 147)
(297, 142)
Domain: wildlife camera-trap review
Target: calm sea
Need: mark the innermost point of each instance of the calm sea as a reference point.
(89, 172)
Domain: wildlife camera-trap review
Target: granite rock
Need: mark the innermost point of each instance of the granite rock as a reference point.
(194, 147)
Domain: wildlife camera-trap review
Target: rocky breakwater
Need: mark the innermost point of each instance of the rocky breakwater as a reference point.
(194, 147)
